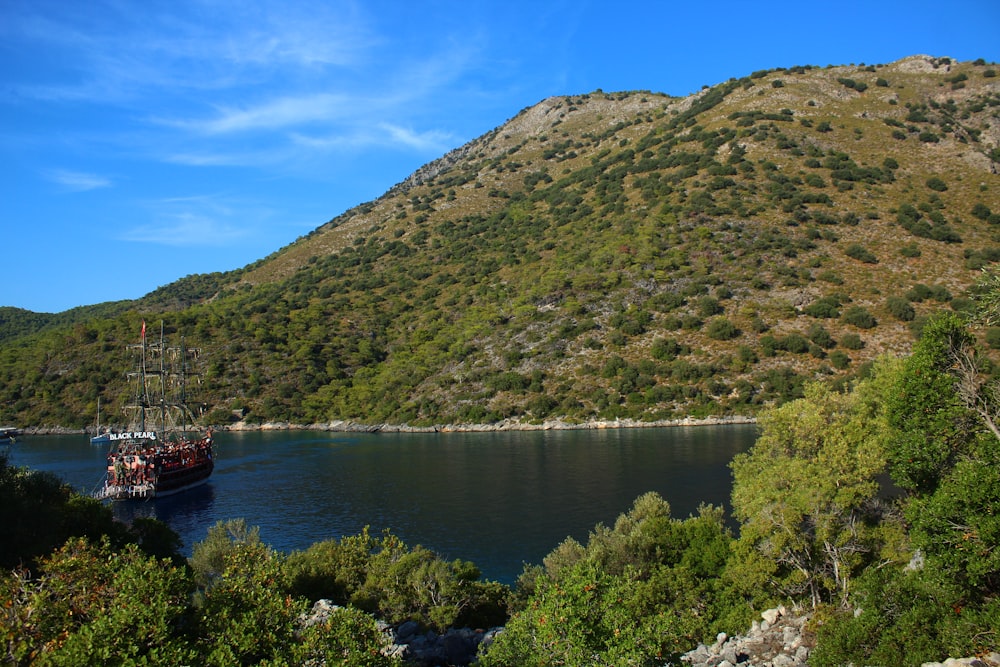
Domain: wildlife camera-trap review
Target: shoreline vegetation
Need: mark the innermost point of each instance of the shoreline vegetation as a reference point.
(340, 426)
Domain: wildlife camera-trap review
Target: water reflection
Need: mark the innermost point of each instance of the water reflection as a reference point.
(187, 513)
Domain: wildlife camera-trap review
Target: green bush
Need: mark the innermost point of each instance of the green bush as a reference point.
(981, 211)
(509, 381)
(993, 337)
(667, 349)
(851, 341)
(900, 308)
(936, 184)
(383, 576)
(794, 343)
(898, 610)
(826, 307)
(819, 335)
(93, 604)
(839, 360)
(721, 328)
(859, 317)
(708, 306)
(39, 513)
(860, 253)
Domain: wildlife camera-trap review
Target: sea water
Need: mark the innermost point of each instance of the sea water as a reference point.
(500, 499)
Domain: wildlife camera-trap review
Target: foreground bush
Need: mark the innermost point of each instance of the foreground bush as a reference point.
(396, 583)
(96, 605)
(906, 617)
(39, 512)
(637, 594)
(942, 414)
(92, 604)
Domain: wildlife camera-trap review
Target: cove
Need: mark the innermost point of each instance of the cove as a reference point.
(498, 499)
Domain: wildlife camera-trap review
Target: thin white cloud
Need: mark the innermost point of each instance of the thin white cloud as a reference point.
(383, 135)
(274, 114)
(77, 181)
(423, 141)
(308, 35)
(122, 51)
(185, 229)
(218, 157)
(203, 220)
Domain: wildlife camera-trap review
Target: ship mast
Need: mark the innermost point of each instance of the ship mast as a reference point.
(161, 384)
(140, 376)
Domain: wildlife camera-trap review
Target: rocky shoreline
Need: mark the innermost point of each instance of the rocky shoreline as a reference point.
(506, 425)
(339, 426)
(778, 639)
(781, 638)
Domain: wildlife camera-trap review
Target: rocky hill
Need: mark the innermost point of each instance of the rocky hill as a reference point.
(599, 256)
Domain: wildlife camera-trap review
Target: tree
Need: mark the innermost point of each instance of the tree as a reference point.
(639, 593)
(39, 512)
(806, 493)
(209, 557)
(954, 470)
(943, 449)
(246, 619)
(931, 425)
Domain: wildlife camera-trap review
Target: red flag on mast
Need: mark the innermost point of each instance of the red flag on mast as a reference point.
(144, 328)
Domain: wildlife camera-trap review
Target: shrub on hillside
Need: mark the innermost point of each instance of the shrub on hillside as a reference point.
(819, 335)
(936, 184)
(851, 341)
(900, 308)
(839, 360)
(721, 328)
(859, 317)
(860, 253)
(827, 307)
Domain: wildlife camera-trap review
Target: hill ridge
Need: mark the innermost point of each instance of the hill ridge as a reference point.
(598, 256)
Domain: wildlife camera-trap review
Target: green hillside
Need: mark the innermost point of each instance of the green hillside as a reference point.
(599, 256)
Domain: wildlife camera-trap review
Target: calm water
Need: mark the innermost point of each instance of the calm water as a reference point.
(497, 499)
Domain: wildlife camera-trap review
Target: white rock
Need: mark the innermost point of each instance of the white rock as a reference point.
(770, 616)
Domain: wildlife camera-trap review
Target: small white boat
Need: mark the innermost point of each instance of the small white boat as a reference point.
(100, 438)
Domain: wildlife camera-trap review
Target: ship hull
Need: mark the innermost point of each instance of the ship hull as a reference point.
(176, 483)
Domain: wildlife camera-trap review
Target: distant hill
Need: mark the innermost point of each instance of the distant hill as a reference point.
(598, 256)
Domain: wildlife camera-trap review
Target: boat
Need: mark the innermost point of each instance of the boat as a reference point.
(7, 435)
(160, 453)
(100, 438)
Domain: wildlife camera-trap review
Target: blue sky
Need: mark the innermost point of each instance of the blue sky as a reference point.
(144, 141)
